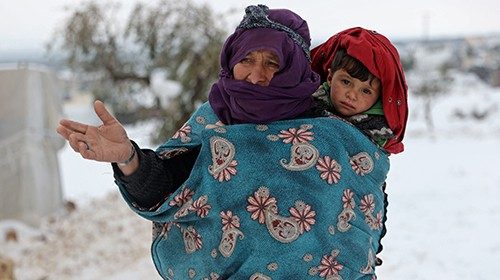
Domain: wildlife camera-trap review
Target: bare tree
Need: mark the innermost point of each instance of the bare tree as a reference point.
(177, 36)
(433, 83)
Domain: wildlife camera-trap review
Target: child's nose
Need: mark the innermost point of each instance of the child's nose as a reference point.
(351, 94)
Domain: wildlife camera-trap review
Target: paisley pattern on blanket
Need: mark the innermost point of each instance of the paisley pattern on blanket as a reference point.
(294, 199)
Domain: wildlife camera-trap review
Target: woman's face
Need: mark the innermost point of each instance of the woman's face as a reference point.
(258, 67)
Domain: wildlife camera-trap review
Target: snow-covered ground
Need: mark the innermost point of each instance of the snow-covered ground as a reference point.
(443, 215)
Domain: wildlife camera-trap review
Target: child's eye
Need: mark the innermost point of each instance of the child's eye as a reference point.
(367, 91)
(345, 82)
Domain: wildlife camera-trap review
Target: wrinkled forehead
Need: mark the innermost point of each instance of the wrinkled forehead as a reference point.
(259, 39)
(265, 53)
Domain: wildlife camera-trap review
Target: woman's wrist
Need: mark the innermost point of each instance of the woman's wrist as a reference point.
(131, 164)
(130, 158)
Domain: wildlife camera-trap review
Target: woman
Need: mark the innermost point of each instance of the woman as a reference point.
(218, 191)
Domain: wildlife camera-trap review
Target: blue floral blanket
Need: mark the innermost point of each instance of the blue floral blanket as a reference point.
(295, 199)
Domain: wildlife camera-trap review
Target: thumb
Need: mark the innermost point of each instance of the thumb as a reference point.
(103, 113)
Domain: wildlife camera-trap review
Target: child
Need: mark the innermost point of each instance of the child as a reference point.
(363, 82)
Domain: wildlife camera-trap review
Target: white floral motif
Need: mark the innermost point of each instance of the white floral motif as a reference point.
(191, 273)
(272, 137)
(329, 169)
(362, 163)
(329, 267)
(201, 206)
(184, 210)
(213, 276)
(259, 203)
(307, 257)
(284, 229)
(295, 136)
(165, 229)
(272, 266)
(348, 199)
(172, 153)
(224, 165)
(183, 133)
(347, 213)
(182, 197)
(192, 240)
(200, 120)
(213, 253)
(261, 127)
(302, 157)
(313, 271)
(331, 229)
(259, 276)
(229, 220)
(379, 223)
(303, 215)
(368, 269)
(230, 233)
(218, 127)
(367, 206)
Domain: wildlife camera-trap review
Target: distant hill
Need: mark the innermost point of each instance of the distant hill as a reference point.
(30, 56)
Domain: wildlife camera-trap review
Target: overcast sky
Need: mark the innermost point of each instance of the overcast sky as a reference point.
(29, 24)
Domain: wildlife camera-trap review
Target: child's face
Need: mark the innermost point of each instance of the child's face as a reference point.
(351, 96)
(258, 67)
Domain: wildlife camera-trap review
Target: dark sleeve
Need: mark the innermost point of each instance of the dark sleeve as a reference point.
(156, 177)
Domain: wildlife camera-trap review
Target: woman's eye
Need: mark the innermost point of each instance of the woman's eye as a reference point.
(246, 60)
(274, 64)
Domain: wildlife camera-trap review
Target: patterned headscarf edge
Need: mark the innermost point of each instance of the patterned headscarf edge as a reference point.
(256, 17)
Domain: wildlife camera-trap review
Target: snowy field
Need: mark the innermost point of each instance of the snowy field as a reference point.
(443, 214)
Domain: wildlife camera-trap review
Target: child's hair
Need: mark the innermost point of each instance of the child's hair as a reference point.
(351, 65)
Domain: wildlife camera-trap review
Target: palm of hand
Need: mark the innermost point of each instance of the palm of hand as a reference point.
(108, 142)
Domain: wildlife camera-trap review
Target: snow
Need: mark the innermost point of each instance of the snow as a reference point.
(443, 214)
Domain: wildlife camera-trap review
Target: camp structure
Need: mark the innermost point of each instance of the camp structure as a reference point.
(30, 107)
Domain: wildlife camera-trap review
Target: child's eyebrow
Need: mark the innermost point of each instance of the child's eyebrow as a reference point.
(345, 75)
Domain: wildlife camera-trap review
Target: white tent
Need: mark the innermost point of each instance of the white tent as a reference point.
(30, 107)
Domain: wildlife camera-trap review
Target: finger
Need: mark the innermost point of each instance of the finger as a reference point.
(63, 131)
(85, 152)
(103, 113)
(74, 145)
(82, 147)
(76, 142)
(78, 137)
(74, 126)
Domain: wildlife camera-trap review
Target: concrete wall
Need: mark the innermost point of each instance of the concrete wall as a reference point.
(30, 107)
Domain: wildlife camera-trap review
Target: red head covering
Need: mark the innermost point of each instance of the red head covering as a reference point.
(381, 58)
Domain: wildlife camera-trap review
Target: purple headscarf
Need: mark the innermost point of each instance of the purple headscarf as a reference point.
(289, 92)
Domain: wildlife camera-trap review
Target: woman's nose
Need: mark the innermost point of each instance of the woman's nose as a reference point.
(258, 76)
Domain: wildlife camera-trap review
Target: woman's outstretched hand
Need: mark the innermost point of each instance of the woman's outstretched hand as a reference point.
(108, 142)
